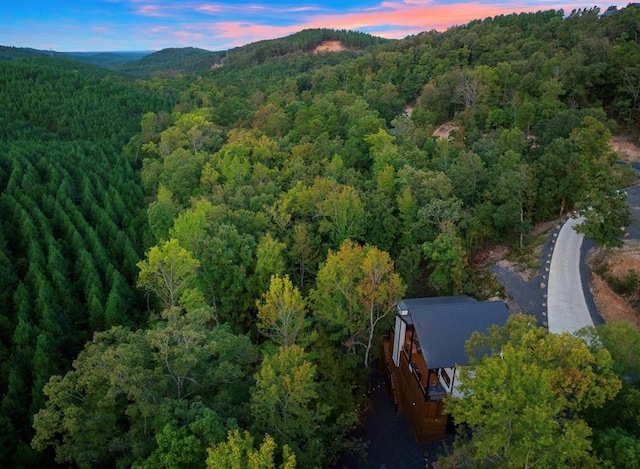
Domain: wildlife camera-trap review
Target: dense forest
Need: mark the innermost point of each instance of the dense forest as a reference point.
(200, 251)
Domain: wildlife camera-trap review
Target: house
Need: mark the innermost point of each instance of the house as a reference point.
(424, 350)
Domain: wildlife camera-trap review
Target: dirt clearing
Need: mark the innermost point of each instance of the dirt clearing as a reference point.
(329, 46)
(616, 264)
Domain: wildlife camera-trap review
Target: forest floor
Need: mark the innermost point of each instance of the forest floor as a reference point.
(617, 263)
(626, 148)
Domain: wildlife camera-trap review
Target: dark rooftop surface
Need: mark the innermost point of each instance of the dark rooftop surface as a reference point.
(444, 327)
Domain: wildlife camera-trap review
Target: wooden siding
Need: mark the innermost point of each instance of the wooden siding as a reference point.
(426, 418)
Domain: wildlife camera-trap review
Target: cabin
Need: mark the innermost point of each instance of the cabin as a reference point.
(423, 353)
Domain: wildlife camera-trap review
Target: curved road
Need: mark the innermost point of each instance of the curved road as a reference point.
(567, 309)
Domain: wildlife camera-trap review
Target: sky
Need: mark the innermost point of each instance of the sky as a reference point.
(146, 25)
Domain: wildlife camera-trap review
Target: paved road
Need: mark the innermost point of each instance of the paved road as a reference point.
(567, 309)
(633, 201)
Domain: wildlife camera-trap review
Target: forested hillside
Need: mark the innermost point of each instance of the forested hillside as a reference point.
(72, 225)
(292, 198)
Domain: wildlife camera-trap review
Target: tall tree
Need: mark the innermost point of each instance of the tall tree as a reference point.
(167, 271)
(356, 289)
(238, 452)
(130, 394)
(447, 259)
(286, 403)
(281, 312)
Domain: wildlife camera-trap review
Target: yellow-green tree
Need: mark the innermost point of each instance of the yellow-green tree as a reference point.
(238, 452)
(521, 400)
(167, 271)
(281, 312)
(286, 403)
(356, 289)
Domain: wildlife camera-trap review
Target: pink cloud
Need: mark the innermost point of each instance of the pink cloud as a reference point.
(424, 18)
(151, 10)
(239, 33)
(389, 18)
(208, 8)
(186, 37)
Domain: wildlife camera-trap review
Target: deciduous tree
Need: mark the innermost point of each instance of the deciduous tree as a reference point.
(356, 290)
(238, 452)
(521, 398)
(281, 312)
(167, 271)
(285, 402)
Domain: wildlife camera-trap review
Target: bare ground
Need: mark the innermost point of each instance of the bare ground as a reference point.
(625, 147)
(618, 263)
(329, 46)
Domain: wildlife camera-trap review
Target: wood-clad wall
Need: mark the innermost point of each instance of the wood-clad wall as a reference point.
(426, 418)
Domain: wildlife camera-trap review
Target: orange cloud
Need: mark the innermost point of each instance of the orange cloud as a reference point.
(405, 20)
(389, 18)
(395, 21)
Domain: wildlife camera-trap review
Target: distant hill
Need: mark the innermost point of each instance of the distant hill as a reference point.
(110, 60)
(186, 60)
(173, 60)
(141, 64)
(106, 59)
(11, 53)
(306, 41)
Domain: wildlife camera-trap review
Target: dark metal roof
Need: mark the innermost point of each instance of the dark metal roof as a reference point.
(444, 324)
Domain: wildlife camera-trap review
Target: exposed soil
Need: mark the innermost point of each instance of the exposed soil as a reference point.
(618, 263)
(626, 148)
(329, 46)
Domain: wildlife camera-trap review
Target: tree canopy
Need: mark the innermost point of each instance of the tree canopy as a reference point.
(522, 395)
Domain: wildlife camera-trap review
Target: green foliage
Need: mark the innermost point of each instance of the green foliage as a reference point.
(71, 208)
(356, 290)
(286, 402)
(238, 453)
(281, 313)
(626, 285)
(521, 398)
(619, 419)
(171, 61)
(605, 218)
(447, 260)
(167, 271)
(287, 48)
(136, 395)
(266, 166)
(617, 448)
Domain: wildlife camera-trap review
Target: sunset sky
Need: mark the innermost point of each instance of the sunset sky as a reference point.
(135, 25)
